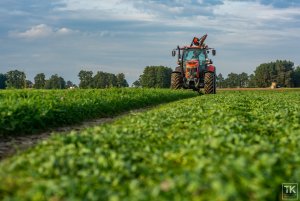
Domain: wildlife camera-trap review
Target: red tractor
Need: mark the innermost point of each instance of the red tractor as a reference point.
(195, 70)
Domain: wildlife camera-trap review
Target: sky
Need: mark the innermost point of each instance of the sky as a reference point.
(124, 36)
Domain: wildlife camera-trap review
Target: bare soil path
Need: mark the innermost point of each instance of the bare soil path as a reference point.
(13, 144)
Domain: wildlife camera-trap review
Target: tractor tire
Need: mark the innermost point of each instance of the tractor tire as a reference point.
(209, 83)
(176, 81)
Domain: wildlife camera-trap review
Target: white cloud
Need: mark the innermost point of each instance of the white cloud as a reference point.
(254, 23)
(40, 31)
(255, 11)
(108, 10)
(64, 31)
(233, 17)
(241, 22)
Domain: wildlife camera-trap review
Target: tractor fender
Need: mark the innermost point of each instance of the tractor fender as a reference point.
(177, 72)
(178, 69)
(211, 68)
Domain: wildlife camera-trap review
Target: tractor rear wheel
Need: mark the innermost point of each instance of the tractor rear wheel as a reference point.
(209, 83)
(176, 81)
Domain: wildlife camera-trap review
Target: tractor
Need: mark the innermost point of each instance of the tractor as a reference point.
(195, 70)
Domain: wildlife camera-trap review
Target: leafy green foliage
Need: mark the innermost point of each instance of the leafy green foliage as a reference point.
(220, 81)
(15, 79)
(121, 81)
(55, 82)
(155, 77)
(279, 71)
(296, 77)
(136, 83)
(86, 79)
(282, 72)
(230, 146)
(25, 111)
(104, 80)
(39, 81)
(233, 80)
(2, 81)
(101, 80)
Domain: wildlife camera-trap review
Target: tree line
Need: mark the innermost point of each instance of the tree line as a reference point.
(17, 80)
(281, 72)
(101, 80)
(154, 77)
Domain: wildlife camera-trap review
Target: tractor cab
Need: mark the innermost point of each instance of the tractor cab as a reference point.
(194, 53)
(193, 60)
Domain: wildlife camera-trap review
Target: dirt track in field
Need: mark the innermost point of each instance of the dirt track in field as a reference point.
(14, 144)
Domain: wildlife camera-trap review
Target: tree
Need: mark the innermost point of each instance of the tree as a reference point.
(156, 76)
(29, 84)
(296, 77)
(104, 80)
(136, 83)
(121, 81)
(15, 79)
(284, 70)
(279, 71)
(86, 79)
(267, 73)
(111, 80)
(252, 81)
(264, 75)
(2, 81)
(55, 82)
(243, 79)
(100, 80)
(232, 80)
(70, 84)
(39, 81)
(220, 81)
(148, 78)
(163, 77)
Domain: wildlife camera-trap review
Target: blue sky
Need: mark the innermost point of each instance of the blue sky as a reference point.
(64, 36)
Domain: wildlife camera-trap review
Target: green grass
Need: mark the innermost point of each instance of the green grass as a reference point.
(29, 111)
(229, 146)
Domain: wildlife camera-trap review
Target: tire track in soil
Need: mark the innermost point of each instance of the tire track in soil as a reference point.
(11, 145)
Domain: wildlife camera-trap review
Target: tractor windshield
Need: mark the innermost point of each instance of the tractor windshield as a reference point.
(198, 54)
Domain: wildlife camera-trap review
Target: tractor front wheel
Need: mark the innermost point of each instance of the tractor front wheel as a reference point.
(209, 83)
(176, 81)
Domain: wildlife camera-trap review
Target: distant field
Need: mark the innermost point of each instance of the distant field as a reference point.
(235, 145)
(256, 89)
(29, 111)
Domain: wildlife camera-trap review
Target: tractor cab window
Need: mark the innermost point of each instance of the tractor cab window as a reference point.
(194, 54)
(201, 56)
(189, 55)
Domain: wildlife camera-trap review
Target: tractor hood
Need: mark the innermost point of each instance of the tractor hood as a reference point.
(191, 69)
(194, 63)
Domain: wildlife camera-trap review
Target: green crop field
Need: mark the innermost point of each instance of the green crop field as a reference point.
(235, 145)
(29, 111)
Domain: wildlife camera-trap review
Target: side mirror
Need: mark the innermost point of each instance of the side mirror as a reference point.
(173, 53)
(214, 52)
